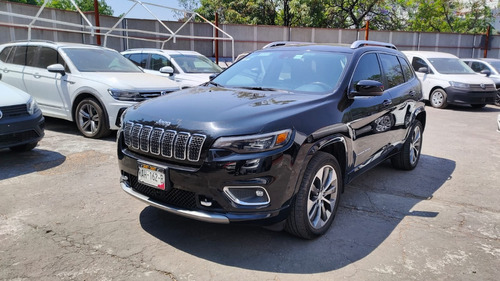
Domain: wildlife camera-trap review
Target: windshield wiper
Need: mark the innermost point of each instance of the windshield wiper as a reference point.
(215, 84)
(259, 88)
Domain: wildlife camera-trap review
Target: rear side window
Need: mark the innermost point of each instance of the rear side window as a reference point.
(368, 68)
(392, 70)
(4, 55)
(409, 74)
(31, 55)
(138, 59)
(19, 56)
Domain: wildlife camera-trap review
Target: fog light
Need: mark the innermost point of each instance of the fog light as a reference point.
(247, 195)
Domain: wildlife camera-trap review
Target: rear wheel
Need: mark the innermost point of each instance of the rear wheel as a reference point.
(438, 98)
(90, 119)
(407, 158)
(317, 200)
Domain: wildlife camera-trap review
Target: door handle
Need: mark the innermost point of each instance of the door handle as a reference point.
(387, 102)
(36, 75)
(412, 93)
(5, 70)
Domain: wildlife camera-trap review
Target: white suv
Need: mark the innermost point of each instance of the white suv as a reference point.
(186, 67)
(90, 85)
(447, 80)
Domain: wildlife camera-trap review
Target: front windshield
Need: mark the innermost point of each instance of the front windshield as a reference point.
(450, 66)
(99, 60)
(496, 65)
(289, 70)
(196, 64)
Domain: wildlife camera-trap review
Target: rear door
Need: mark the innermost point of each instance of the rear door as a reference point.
(13, 61)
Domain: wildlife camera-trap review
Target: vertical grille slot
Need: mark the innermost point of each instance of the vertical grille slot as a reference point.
(145, 134)
(167, 143)
(180, 145)
(194, 147)
(127, 129)
(136, 131)
(155, 141)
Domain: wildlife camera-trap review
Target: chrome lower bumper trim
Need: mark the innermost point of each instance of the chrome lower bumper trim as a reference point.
(197, 215)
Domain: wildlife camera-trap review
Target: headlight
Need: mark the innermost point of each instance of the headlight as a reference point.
(254, 143)
(124, 95)
(459, 84)
(32, 106)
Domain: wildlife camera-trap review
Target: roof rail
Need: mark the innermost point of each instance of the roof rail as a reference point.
(363, 43)
(35, 40)
(283, 43)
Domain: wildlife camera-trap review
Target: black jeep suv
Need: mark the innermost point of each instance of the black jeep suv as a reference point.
(274, 138)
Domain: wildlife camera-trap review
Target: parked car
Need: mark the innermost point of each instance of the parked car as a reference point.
(488, 67)
(274, 138)
(186, 67)
(448, 80)
(90, 85)
(21, 121)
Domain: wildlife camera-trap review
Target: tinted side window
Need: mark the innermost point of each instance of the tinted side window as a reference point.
(392, 70)
(368, 68)
(418, 63)
(138, 59)
(159, 61)
(47, 56)
(478, 66)
(409, 74)
(31, 55)
(5, 53)
(19, 56)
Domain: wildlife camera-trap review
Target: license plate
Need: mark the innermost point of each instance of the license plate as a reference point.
(152, 175)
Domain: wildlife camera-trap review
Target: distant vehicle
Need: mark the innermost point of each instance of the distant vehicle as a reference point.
(490, 68)
(448, 80)
(21, 121)
(90, 85)
(186, 67)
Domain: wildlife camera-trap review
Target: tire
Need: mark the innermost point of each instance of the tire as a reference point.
(90, 119)
(24, 147)
(314, 209)
(438, 98)
(478, 105)
(497, 99)
(407, 158)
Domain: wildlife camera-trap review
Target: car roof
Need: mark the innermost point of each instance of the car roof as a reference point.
(56, 44)
(168, 52)
(428, 54)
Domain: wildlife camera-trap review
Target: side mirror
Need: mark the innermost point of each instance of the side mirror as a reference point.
(56, 68)
(368, 88)
(423, 69)
(486, 72)
(212, 76)
(167, 70)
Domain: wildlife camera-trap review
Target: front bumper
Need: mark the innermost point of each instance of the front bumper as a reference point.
(463, 96)
(21, 130)
(199, 192)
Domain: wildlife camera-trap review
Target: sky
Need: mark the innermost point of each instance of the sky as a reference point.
(122, 6)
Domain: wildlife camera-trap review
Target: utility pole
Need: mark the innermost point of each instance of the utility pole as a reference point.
(97, 24)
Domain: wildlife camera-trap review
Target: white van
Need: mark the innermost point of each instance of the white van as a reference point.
(447, 80)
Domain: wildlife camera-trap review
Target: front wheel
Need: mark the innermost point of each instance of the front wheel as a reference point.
(497, 99)
(438, 98)
(317, 199)
(407, 158)
(90, 119)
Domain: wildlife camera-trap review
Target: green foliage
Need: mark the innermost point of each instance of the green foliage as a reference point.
(84, 5)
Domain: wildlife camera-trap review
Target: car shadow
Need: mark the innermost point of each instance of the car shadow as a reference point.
(371, 208)
(68, 127)
(13, 164)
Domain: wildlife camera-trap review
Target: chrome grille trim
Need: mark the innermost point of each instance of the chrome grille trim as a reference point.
(165, 143)
(180, 145)
(145, 136)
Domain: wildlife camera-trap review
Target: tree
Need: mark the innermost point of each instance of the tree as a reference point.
(84, 5)
(30, 2)
(239, 11)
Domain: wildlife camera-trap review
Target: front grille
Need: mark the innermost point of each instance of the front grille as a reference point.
(173, 196)
(15, 138)
(14, 110)
(167, 143)
(484, 88)
(144, 95)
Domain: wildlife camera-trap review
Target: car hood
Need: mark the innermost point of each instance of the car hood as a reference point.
(131, 81)
(10, 95)
(467, 78)
(218, 111)
(193, 79)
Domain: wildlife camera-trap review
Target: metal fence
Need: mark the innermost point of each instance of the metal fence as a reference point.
(246, 37)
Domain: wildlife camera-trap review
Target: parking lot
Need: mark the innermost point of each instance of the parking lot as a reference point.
(63, 216)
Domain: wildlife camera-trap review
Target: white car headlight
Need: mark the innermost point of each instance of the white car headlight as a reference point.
(32, 106)
(124, 95)
(254, 143)
(459, 85)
